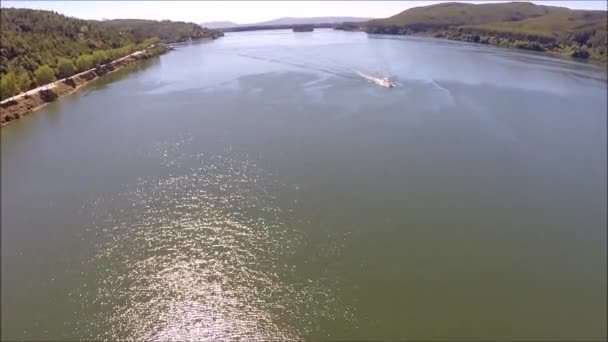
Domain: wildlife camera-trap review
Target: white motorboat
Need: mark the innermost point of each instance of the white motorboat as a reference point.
(381, 81)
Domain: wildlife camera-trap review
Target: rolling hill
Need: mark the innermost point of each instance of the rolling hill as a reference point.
(577, 33)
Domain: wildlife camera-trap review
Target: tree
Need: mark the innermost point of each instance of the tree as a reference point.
(24, 83)
(100, 57)
(84, 62)
(112, 53)
(65, 67)
(8, 85)
(44, 75)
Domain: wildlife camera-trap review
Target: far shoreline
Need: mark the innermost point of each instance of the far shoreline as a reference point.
(548, 53)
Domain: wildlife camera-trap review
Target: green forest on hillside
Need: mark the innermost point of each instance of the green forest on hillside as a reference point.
(38, 46)
(577, 33)
(167, 31)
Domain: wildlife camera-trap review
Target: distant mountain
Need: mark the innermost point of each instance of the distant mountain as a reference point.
(523, 25)
(286, 21)
(310, 21)
(219, 24)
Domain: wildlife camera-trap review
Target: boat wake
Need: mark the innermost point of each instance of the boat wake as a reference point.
(340, 71)
(381, 81)
(447, 92)
(300, 65)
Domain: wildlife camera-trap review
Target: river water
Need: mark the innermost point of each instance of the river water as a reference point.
(256, 187)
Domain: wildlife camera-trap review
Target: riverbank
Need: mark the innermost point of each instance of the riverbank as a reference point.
(579, 34)
(28, 102)
(550, 47)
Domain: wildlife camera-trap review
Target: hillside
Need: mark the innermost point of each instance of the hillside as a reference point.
(38, 46)
(167, 31)
(576, 33)
(442, 16)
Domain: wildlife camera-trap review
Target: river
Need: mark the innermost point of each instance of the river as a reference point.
(256, 187)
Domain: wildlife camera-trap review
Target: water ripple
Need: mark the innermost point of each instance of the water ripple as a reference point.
(202, 256)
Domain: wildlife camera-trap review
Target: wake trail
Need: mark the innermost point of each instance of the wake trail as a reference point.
(302, 66)
(338, 68)
(439, 87)
(446, 91)
(341, 66)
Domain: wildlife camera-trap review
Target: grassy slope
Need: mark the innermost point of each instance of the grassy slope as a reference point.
(457, 14)
(514, 24)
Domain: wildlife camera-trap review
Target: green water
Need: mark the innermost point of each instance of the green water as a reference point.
(255, 187)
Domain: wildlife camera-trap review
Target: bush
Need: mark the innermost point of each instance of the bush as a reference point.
(65, 68)
(8, 85)
(580, 53)
(44, 75)
(100, 57)
(84, 62)
(48, 95)
(147, 43)
(24, 82)
(120, 52)
(113, 54)
(581, 37)
(526, 45)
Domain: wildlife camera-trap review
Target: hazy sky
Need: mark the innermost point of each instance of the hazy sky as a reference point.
(244, 11)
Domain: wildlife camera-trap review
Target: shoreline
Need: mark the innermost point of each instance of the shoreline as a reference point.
(28, 102)
(553, 54)
(560, 52)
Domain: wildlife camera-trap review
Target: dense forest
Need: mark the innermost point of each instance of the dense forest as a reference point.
(167, 31)
(576, 33)
(37, 47)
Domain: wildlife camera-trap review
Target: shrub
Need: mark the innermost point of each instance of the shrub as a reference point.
(100, 57)
(84, 62)
(24, 82)
(581, 37)
(65, 68)
(8, 85)
(44, 75)
(580, 53)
